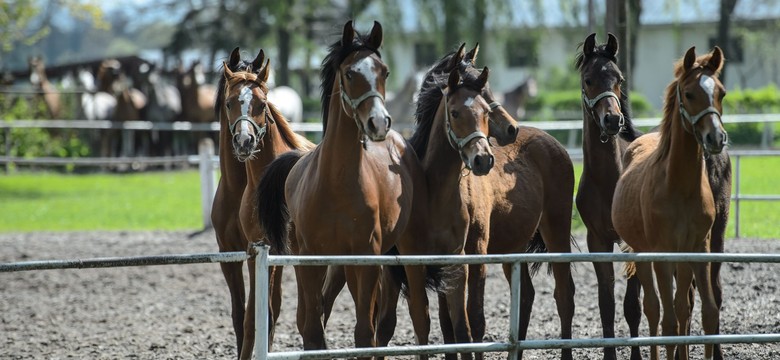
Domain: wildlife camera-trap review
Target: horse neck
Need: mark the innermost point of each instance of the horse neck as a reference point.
(443, 167)
(233, 171)
(340, 147)
(684, 167)
(606, 157)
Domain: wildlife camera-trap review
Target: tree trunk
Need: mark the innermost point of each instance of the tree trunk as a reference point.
(724, 29)
(634, 13)
(616, 22)
(480, 14)
(284, 38)
(452, 23)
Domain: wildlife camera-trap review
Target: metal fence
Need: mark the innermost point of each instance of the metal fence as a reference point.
(513, 343)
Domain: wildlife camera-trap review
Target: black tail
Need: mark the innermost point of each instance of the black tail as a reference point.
(272, 209)
(437, 277)
(537, 246)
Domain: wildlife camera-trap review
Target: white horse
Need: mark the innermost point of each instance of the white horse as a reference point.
(95, 105)
(286, 100)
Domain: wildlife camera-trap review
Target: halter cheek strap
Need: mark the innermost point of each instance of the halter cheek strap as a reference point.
(456, 142)
(246, 97)
(591, 103)
(694, 119)
(354, 103)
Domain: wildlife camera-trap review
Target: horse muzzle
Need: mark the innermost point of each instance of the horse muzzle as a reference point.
(244, 145)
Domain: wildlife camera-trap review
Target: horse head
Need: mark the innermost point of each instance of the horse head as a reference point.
(246, 106)
(466, 121)
(37, 71)
(362, 76)
(699, 97)
(601, 81)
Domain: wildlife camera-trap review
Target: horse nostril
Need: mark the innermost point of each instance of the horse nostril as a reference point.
(512, 130)
(477, 162)
(388, 122)
(491, 160)
(371, 126)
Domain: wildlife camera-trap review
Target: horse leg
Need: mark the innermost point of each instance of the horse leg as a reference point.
(418, 304)
(476, 302)
(445, 322)
(605, 275)
(313, 333)
(334, 282)
(527, 295)
(632, 311)
(644, 272)
(234, 278)
(456, 306)
(710, 314)
(555, 227)
(249, 316)
(664, 273)
(717, 246)
(363, 283)
(389, 292)
(683, 306)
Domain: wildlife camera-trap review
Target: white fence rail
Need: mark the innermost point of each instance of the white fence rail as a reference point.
(513, 343)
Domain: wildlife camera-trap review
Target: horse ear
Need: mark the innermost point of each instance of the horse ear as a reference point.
(376, 37)
(472, 54)
(483, 77)
(226, 70)
(258, 61)
(457, 58)
(235, 57)
(454, 79)
(590, 45)
(716, 61)
(612, 44)
(348, 34)
(690, 58)
(266, 70)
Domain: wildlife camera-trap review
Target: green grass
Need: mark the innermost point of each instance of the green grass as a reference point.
(171, 201)
(57, 202)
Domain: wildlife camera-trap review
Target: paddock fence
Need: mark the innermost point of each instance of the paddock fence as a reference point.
(511, 346)
(208, 163)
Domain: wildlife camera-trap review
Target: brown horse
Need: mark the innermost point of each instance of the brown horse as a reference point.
(196, 98)
(227, 199)
(46, 91)
(607, 131)
(260, 133)
(112, 79)
(360, 191)
(493, 199)
(663, 202)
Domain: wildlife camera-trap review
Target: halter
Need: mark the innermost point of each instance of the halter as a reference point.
(591, 103)
(694, 119)
(245, 97)
(354, 103)
(459, 143)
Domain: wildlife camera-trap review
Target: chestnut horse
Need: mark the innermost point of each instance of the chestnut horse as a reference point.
(663, 202)
(607, 131)
(46, 91)
(226, 206)
(360, 191)
(493, 200)
(260, 133)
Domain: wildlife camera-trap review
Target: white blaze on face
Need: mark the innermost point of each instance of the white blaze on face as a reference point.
(365, 67)
(469, 101)
(708, 84)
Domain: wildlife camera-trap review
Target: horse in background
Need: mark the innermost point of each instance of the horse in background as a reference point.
(663, 201)
(129, 103)
(286, 99)
(93, 104)
(163, 105)
(362, 174)
(197, 99)
(45, 90)
(516, 99)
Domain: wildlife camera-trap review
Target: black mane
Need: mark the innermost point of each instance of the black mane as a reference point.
(431, 94)
(629, 133)
(337, 53)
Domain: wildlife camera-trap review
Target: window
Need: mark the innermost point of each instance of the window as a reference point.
(522, 52)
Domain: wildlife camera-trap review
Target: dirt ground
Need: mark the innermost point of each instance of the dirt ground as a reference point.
(183, 312)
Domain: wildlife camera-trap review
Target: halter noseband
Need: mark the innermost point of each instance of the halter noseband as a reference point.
(459, 143)
(591, 103)
(245, 97)
(695, 118)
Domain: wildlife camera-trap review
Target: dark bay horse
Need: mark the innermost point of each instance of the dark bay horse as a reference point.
(227, 199)
(492, 200)
(663, 201)
(607, 131)
(357, 192)
(260, 133)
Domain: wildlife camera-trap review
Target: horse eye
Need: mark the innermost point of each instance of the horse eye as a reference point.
(454, 113)
(387, 74)
(349, 75)
(587, 82)
(688, 95)
(227, 105)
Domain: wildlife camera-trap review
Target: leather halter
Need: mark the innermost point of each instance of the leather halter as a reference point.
(354, 103)
(458, 143)
(591, 103)
(692, 120)
(245, 97)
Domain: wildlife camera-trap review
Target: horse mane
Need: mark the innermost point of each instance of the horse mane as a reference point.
(430, 95)
(629, 133)
(243, 65)
(671, 107)
(337, 53)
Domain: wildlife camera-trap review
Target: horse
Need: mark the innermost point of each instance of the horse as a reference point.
(196, 97)
(163, 105)
(93, 104)
(515, 99)
(46, 91)
(663, 201)
(225, 209)
(359, 191)
(289, 102)
(260, 133)
(491, 199)
(129, 103)
(607, 131)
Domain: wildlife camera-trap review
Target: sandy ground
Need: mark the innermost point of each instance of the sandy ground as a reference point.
(182, 311)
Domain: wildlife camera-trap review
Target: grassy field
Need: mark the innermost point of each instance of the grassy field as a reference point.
(171, 201)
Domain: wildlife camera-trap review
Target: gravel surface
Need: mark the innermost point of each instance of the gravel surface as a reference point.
(182, 311)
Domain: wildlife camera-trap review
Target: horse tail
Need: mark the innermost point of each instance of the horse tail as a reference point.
(272, 209)
(437, 277)
(537, 246)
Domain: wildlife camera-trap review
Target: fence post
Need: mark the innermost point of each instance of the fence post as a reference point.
(261, 302)
(207, 179)
(8, 141)
(514, 310)
(737, 199)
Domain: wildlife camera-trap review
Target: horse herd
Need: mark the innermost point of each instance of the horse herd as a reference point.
(470, 180)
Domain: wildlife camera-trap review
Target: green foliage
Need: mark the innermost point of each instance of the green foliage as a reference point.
(750, 101)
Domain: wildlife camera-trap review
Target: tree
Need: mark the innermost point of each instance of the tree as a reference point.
(724, 30)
